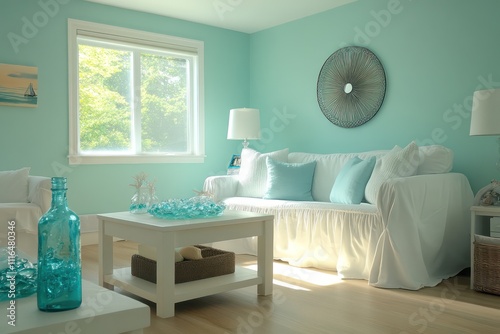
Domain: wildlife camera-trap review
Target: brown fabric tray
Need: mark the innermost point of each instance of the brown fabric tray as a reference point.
(487, 268)
(215, 262)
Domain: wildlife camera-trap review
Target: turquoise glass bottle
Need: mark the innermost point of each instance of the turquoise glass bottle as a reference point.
(59, 260)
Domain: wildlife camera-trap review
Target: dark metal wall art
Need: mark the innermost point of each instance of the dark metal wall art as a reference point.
(351, 86)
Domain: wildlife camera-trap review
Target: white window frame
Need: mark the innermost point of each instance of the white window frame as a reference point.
(196, 131)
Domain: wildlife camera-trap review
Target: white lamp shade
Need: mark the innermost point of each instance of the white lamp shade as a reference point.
(244, 123)
(485, 116)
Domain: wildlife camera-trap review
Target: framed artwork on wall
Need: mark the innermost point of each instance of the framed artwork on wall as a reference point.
(234, 164)
(18, 86)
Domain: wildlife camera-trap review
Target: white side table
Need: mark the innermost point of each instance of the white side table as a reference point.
(102, 311)
(480, 224)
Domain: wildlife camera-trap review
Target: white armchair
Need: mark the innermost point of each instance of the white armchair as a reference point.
(39, 192)
(26, 216)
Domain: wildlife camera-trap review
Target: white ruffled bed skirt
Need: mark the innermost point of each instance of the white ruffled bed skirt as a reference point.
(312, 234)
(353, 241)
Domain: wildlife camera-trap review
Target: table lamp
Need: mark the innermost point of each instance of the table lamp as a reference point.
(485, 116)
(244, 123)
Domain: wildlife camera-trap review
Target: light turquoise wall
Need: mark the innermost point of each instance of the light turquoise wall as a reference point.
(39, 137)
(435, 54)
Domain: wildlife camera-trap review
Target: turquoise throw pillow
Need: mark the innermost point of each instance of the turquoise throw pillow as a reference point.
(349, 186)
(289, 181)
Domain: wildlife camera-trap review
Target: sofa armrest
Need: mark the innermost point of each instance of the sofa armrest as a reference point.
(221, 186)
(425, 217)
(39, 191)
(421, 196)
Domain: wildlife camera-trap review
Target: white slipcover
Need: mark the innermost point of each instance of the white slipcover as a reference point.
(26, 216)
(415, 236)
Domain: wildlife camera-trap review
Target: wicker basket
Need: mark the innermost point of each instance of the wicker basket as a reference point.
(487, 268)
(215, 262)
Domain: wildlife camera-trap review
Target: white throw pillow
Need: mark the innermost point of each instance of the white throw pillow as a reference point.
(14, 186)
(253, 171)
(396, 163)
(435, 159)
(191, 253)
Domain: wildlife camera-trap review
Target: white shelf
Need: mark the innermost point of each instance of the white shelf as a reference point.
(241, 278)
(123, 279)
(102, 311)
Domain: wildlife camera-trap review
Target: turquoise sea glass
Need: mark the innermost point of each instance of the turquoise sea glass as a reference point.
(140, 201)
(18, 277)
(59, 261)
(194, 207)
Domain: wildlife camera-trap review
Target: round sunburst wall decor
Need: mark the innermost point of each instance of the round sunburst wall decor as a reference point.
(351, 86)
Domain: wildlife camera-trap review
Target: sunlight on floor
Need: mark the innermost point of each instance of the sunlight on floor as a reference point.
(289, 286)
(301, 274)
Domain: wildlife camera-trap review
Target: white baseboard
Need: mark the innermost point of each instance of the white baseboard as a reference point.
(88, 230)
(89, 234)
(88, 223)
(89, 238)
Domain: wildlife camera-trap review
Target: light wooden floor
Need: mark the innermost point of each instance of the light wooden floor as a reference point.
(314, 301)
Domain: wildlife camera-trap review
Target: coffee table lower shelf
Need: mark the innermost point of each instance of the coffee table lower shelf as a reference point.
(165, 236)
(241, 278)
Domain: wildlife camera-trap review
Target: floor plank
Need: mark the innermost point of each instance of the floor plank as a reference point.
(306, 300)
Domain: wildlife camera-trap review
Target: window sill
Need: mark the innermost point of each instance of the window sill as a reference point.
(133, 159)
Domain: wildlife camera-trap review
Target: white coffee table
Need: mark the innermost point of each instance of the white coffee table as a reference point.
(102, 311)
(166, 235)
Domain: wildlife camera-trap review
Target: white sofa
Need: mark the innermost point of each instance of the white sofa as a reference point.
(24, 199)
(413, 234)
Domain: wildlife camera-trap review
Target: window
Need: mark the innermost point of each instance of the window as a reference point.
(135, 97)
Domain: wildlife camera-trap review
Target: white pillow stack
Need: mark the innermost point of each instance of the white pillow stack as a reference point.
(435, 159)
(253, 171)
(396, 163)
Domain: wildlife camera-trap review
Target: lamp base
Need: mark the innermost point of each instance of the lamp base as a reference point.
(490, 194)
(498, 161)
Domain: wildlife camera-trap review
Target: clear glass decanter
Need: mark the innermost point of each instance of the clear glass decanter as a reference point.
(59, 261)
(140, 201)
